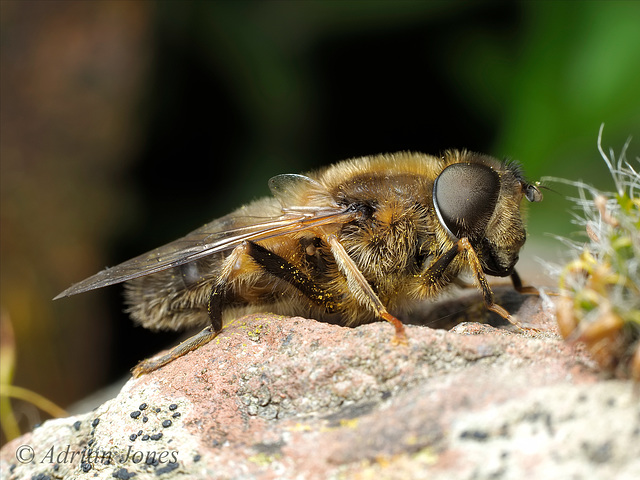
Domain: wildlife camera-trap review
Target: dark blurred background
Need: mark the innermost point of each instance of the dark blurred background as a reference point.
(125, 125)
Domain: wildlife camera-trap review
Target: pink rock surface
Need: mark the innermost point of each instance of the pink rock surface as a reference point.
(279, 397)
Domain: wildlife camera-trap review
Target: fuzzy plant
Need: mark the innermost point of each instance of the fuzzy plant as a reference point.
(599, 301)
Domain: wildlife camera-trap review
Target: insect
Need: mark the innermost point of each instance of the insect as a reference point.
(347, 244)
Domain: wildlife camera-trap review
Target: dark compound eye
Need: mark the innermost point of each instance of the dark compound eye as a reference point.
(465, 196)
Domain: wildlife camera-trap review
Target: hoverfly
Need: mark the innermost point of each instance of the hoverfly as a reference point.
(347, 244)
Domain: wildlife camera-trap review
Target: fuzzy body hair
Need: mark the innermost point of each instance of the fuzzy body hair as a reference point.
(395, 237)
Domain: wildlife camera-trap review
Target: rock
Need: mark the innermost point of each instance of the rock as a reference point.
(280, 397)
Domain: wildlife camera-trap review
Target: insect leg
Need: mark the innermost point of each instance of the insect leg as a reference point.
(207, 334)
(437, 269)
(190, 344)
(518, 287)
(487, 295)
(217, 298)
(281, 268)
(361, 289)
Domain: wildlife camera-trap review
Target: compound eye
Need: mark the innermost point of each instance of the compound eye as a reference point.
(464, 197)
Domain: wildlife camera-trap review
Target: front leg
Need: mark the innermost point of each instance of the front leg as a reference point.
(437, 269)
(518, 287)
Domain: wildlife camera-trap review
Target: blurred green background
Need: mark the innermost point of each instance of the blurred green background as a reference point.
(127, 124)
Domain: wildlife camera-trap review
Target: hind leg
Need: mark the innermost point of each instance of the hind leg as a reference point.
(222, 295)
(216, 300)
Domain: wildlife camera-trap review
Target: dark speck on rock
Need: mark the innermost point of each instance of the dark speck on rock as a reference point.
(169, 467)
(287, 340)
(600, 453)
(270, 449)
(350, 412)
(123, 474)
(135, 414)
(475, 435)
(167, 423)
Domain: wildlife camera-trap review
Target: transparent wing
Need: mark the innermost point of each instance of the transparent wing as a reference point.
(217, 236)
